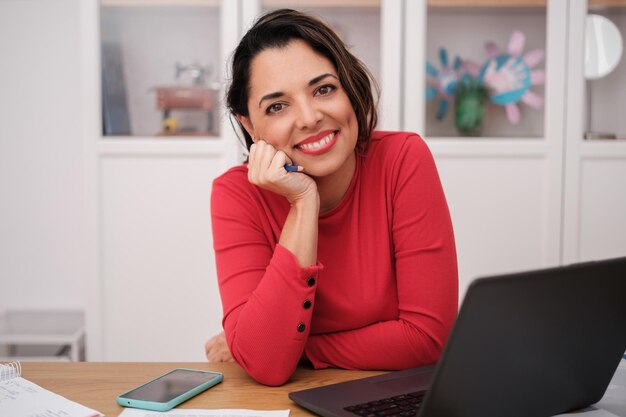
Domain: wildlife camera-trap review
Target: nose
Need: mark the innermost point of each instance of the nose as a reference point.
(308, 116)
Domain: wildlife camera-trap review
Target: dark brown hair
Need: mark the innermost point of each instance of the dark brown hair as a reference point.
(275, 30)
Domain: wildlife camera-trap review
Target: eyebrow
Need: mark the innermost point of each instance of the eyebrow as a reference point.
(313, 81)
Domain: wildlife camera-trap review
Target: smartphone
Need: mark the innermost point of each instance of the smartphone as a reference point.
(167, 391)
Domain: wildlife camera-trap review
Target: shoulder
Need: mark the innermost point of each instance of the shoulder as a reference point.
(236, 176)
(232, 191)
(392, 148)
(395, 141)
(231, 186)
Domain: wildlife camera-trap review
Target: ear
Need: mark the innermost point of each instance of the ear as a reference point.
(247, 124)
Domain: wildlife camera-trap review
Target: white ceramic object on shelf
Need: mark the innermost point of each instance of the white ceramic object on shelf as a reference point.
(603, 46)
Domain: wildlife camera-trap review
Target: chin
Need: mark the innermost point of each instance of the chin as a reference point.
(324, 170)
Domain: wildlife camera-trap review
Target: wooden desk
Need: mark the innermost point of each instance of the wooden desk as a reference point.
(97, 384)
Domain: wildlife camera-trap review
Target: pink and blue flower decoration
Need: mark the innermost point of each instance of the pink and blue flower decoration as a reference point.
(442, 82)
(509, 76)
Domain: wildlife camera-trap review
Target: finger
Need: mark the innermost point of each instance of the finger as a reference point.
(259, 161)
(283, 164)
(279, 161)
(251, 154)
(251, 160)
(263, 156)
(289, 161)
(290, 166)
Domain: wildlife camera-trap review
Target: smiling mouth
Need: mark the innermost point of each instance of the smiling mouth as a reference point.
(317, 145)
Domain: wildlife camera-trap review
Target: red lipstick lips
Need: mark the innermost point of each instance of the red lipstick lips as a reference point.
(318, 144)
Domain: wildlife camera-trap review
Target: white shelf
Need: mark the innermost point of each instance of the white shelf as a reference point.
(133, 145)
(607, 3)
(34, 358)
(157, 3)
(267, 3)
(455, 146)
(321, 3)
(487, 3)
(600, 148)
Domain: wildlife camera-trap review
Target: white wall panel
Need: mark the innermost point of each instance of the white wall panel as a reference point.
(160, 296)
(40, 156)
(602, 208)
(497, 206)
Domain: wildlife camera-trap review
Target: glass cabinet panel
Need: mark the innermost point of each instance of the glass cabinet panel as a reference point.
(356, 21)
(605, 70)
(161, 67)
(485, 70)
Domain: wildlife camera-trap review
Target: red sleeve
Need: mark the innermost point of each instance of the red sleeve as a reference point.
(426, 272)
(262, 287)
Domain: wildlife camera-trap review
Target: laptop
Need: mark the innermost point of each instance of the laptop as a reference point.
(528, 344)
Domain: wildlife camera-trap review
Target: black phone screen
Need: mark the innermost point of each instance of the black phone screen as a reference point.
(169, 386)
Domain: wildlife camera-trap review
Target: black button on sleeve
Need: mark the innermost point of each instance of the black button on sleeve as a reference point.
(307, 304)
(301, 327)
(310, 281)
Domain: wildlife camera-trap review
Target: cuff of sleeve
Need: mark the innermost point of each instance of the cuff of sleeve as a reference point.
(301, 298)
(284, 257)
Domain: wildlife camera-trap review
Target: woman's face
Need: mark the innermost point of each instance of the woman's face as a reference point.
(297, 104)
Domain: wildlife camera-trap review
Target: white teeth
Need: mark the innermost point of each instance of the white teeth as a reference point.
(318, 144)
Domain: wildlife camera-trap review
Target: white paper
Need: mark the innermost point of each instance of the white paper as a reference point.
(134, 412)
(21, 398)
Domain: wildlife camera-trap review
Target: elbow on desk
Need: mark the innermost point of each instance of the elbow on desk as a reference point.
(269, 367)
(270, 373)
(270, 377)
(272, 380)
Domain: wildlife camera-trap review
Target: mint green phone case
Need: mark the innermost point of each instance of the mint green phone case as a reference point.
(125, 401)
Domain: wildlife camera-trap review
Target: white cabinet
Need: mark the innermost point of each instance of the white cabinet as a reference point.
(594, 212)
(534, 194)
(154, 296)
(504, 187)
(524, 196)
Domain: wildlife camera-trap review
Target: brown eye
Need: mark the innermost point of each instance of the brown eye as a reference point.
(325, 90)
(274, 108)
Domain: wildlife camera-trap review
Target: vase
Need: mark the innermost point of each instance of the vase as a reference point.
(469, 108)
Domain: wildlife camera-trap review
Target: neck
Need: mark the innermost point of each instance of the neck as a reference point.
(333, 187)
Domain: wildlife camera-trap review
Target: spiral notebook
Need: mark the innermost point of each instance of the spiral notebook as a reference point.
(21, 398)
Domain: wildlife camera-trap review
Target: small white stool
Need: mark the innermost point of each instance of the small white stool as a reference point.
(63, 330)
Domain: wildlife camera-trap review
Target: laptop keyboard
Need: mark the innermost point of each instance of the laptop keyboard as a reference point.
(406, 405)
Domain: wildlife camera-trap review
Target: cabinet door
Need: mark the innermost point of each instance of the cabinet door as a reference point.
(462, 52)
(501, 74)
(503, 180)
(155, 295)
(595, 182)
(161, 67)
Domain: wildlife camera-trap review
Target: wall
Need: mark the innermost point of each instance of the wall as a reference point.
(41, 155)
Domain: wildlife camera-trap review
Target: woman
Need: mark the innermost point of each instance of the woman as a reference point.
(349, 261)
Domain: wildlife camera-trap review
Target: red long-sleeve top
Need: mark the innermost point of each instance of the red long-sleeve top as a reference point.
(383, 294)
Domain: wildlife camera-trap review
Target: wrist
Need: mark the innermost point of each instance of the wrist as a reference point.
(309, 200)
